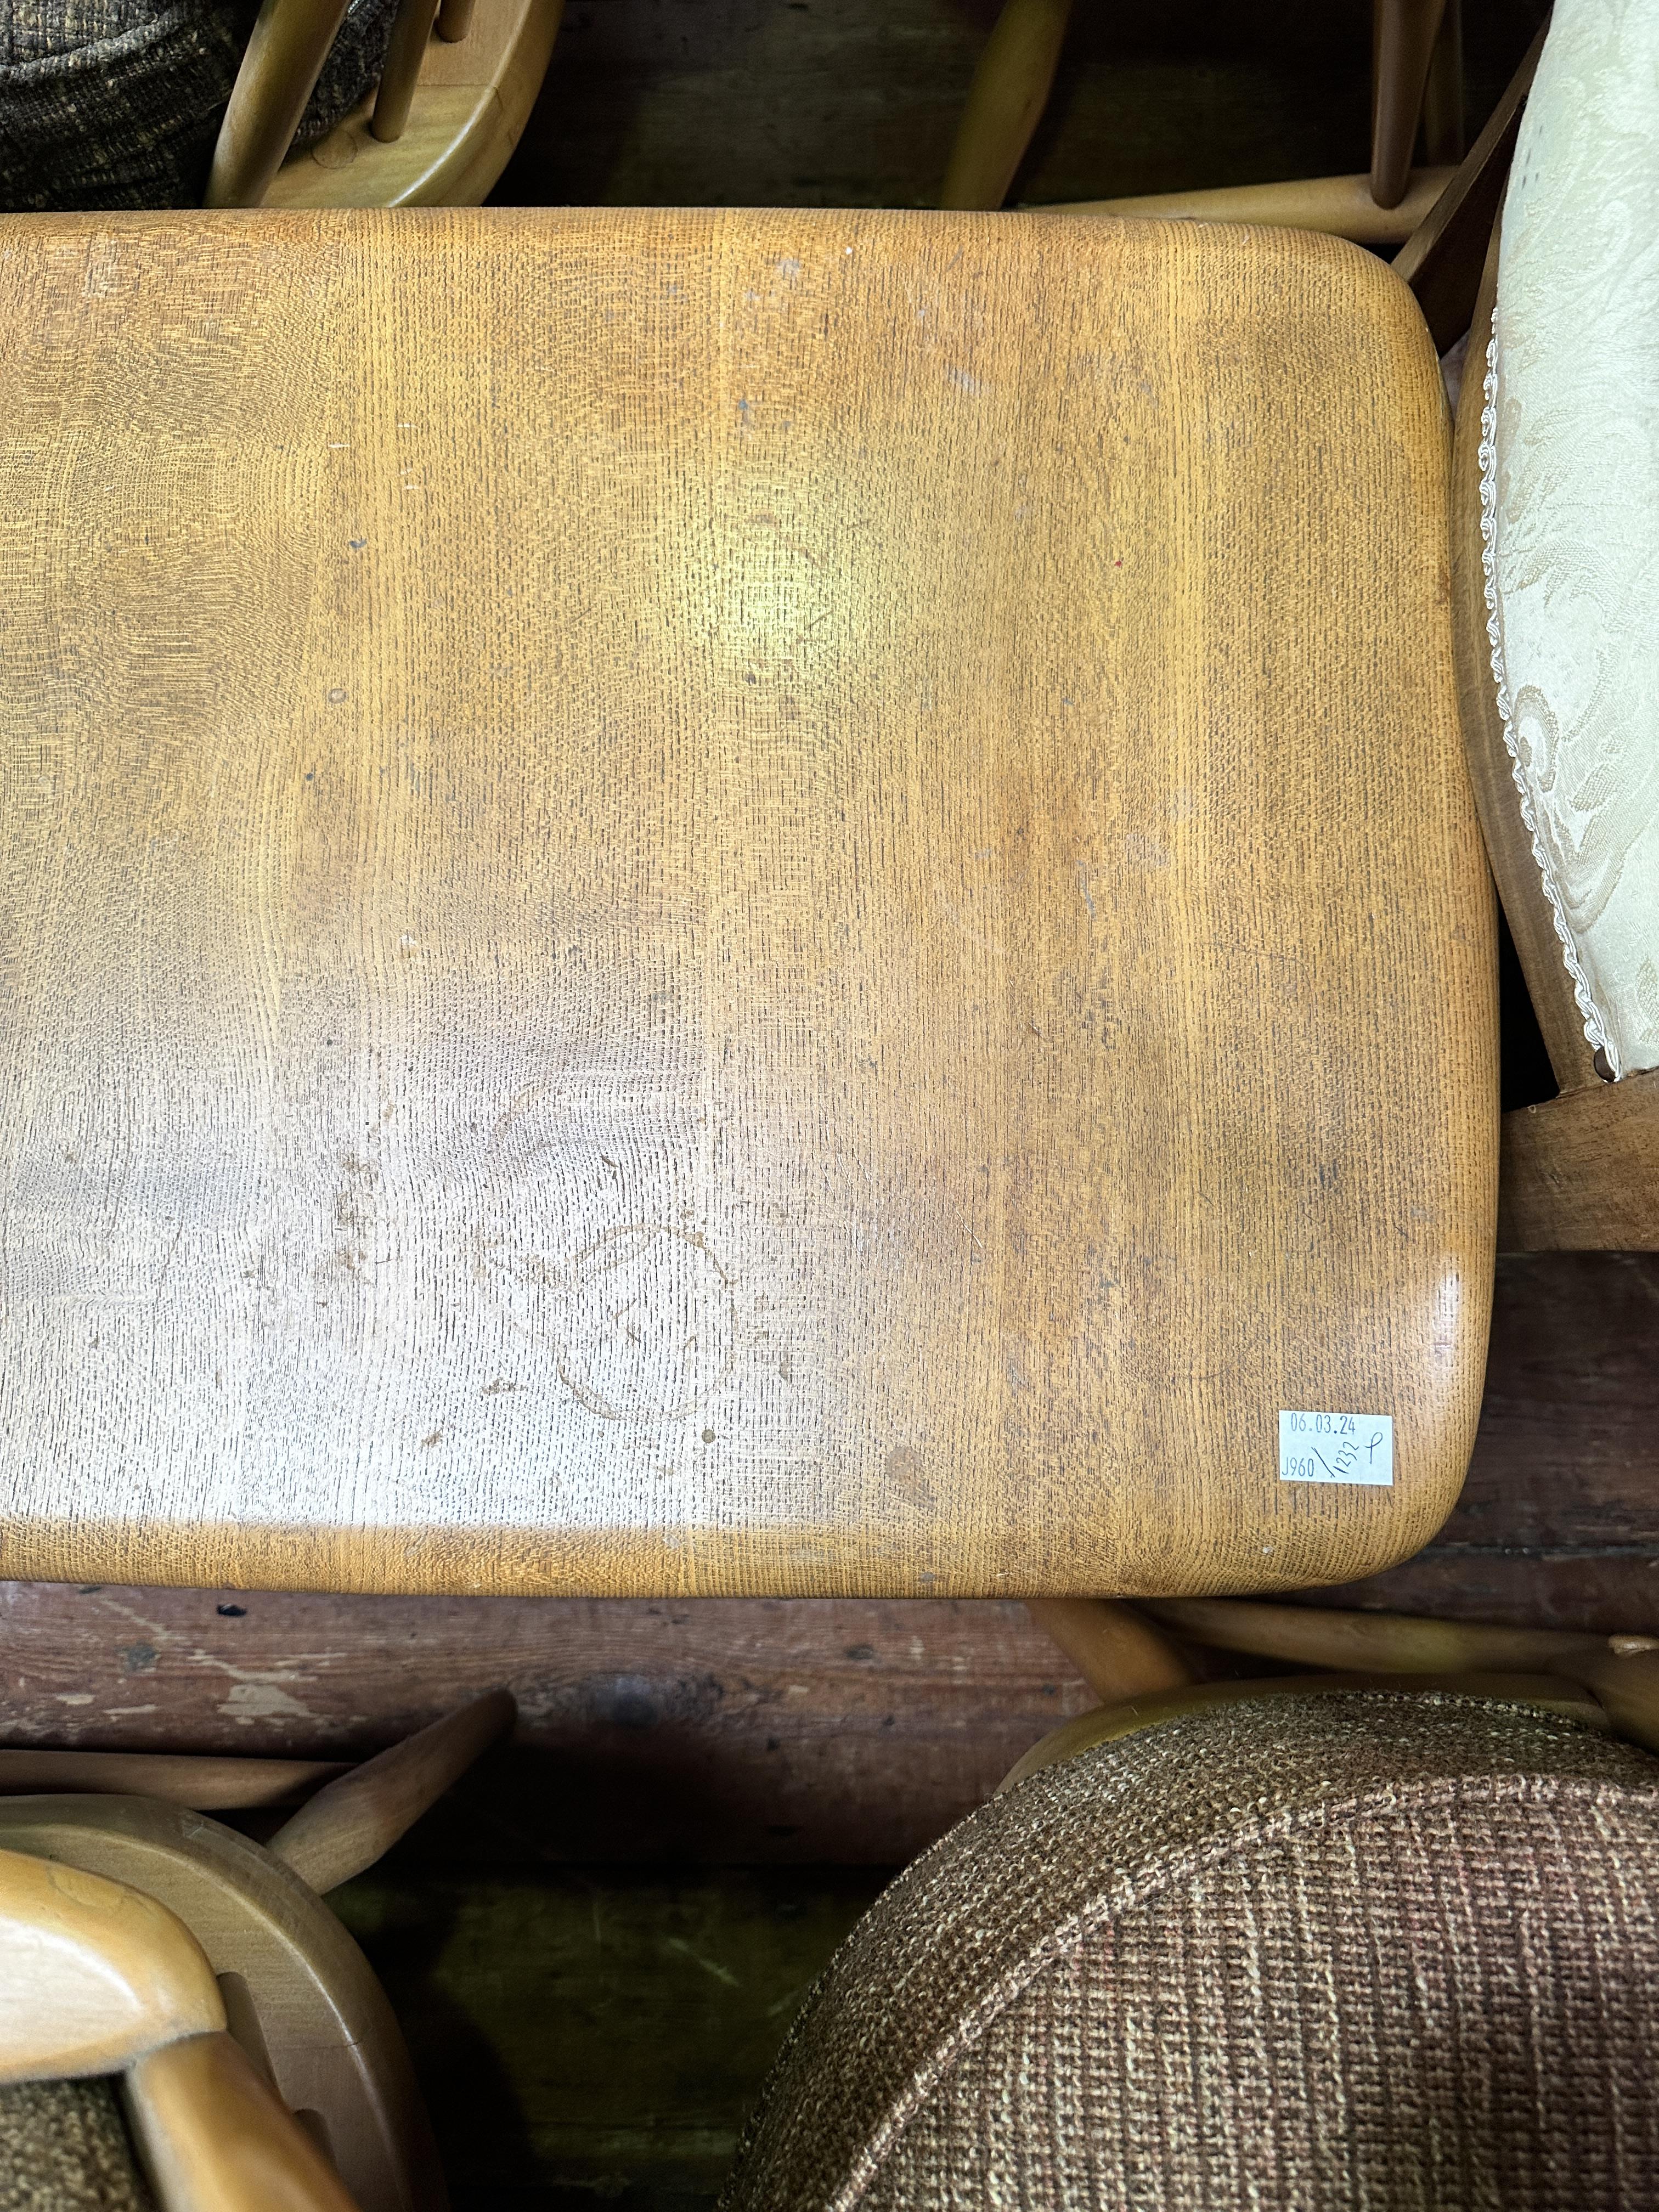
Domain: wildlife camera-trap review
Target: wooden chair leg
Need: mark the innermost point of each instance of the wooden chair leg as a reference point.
(351, 1823)
(1443, 259)
(1117, 1652)
(1007, 97)
(206, 1784)
(288, 47)
(1444, 140)
(411, 32)
(1402, 41)
(1621, 1671)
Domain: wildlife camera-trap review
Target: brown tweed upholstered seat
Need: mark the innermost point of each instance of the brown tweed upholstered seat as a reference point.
(117, 103)
(1371, 1952)
(64, 2147)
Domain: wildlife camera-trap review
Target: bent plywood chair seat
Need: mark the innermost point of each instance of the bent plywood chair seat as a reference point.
(1361, 1949)
(752, 903)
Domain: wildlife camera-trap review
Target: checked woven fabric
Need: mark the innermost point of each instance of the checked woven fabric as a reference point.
(64, 2147)
(117, 103)
(1385, 1953)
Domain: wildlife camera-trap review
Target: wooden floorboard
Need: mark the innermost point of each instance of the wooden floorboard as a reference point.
(746, 1730)
(1558, 1522)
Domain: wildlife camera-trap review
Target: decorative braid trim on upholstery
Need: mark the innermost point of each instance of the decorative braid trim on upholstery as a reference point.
(1595, 1025)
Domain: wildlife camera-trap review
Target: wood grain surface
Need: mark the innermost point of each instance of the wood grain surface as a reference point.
(1581, 1172)
(823, 1730)
(758, 903)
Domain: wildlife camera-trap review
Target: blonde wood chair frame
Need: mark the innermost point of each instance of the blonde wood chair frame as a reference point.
(100, 1978)
(242, 1947)
(465, 115)
(1127, 1656)
(1416, 78)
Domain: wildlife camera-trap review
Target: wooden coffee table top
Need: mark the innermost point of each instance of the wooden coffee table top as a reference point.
(729, 903)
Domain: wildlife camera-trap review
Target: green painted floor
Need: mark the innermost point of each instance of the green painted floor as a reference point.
(595, 2037)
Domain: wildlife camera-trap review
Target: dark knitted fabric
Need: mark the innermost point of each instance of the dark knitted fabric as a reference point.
(1375, 1953)
(64, 2147)
(117, 103)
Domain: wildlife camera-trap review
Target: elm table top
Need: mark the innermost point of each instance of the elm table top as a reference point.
(720, 902)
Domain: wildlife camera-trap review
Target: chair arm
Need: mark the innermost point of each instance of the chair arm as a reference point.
(92, 1974)
(215, 2137)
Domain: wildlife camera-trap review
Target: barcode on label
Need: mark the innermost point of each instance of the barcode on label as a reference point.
(1336, 1448)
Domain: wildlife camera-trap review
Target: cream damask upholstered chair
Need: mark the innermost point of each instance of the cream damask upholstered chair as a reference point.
(1557, 562)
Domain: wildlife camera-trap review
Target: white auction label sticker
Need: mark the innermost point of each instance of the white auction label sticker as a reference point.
(1336, 1448)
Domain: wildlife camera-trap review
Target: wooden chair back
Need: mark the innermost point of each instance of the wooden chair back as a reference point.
(215, 1933)
(1416, 80)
